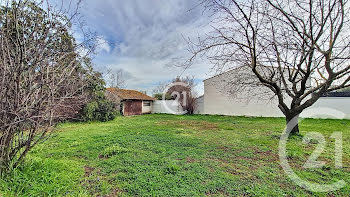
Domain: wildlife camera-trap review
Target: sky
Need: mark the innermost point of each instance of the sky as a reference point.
(146, 39)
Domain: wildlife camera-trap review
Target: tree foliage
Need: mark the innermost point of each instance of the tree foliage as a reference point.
(41, 75)
(159, 96)
(97, 107)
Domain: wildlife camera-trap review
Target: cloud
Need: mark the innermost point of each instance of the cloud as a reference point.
(103, 45)
(144, 37)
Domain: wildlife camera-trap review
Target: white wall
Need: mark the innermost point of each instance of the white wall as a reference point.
(329, 107)
(215, 102)
(146, 109)
(256, 101)
(173, 107)
(199, 109)
(224, 95)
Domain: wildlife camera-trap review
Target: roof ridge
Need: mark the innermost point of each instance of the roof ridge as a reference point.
(130, 94)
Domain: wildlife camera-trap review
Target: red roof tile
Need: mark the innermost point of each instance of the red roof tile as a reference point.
(130, 94)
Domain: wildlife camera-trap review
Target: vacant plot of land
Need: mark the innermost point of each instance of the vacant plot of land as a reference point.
(165, 155)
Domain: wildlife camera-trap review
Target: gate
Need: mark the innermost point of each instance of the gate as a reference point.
(132, 108)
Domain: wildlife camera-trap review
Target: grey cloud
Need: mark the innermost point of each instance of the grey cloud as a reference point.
(146, 35)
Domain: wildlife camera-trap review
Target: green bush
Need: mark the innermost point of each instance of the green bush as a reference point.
(159, 96)
(98, 108)
(101, 110)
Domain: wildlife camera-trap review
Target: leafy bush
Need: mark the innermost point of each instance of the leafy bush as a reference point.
(100, 110)
(159, 96)
(113, 150)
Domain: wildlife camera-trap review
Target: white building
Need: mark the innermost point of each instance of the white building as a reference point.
(222, 96)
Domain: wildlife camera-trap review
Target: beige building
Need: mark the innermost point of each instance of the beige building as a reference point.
(223, 96)
(237, 93)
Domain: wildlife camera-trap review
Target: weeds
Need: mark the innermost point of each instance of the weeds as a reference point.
(113, 150)
(165, 155)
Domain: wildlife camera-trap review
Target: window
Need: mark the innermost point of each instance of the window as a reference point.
(146, 103)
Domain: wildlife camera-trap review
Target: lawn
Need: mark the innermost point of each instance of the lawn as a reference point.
(166, 155)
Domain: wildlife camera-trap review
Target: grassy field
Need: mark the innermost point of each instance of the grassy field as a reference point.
(165, 155)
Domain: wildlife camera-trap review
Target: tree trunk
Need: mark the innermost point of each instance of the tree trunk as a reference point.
(292, 124)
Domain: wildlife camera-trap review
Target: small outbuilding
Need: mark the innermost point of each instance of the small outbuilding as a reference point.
(130, 102)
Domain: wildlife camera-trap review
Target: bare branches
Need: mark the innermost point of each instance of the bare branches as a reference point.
(182, 90)
(116, 78)
(299, 49)
(41, 73)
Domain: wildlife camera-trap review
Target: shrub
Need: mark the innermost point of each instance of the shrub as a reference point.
(97, 107)
(101, 110)
(159, 96)
(105, 111)
(43, 76)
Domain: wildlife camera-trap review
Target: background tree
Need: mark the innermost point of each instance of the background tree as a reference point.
(158, 91)
(40, 70)
(116, 78)
(96, 106)
(160, 88)
(298, 49)
(159, 96)
(184, 94)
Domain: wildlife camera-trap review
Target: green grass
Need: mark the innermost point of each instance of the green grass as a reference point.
(165, 155)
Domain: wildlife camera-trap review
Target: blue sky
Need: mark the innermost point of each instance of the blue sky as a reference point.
(145, 37)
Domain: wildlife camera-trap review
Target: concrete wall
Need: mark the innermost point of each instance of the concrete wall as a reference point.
(215, 102)
(199, 109)
(259, 101)
(329, 107)
(147, 109)
(238, 93)
(173, 107)
(166, 107)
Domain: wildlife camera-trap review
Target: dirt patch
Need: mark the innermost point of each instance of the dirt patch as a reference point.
(190, 160)
(224, 148)
(93, 180)
(243, 162)
(102, 157)
(82, 157)
(256, 154)
(219, 192)
(187, 159)
(115, 192)
(88, 171)
(190, 124)
(267, 155)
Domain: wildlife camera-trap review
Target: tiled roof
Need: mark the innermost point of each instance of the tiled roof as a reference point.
(130, 94)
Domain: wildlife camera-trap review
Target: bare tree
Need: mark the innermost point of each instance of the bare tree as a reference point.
(160, 88)
(184, 93)
(40, 71)
(298, 49)
(116, 78)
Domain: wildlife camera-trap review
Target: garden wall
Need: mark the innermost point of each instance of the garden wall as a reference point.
(166, 107)
(329, 107)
